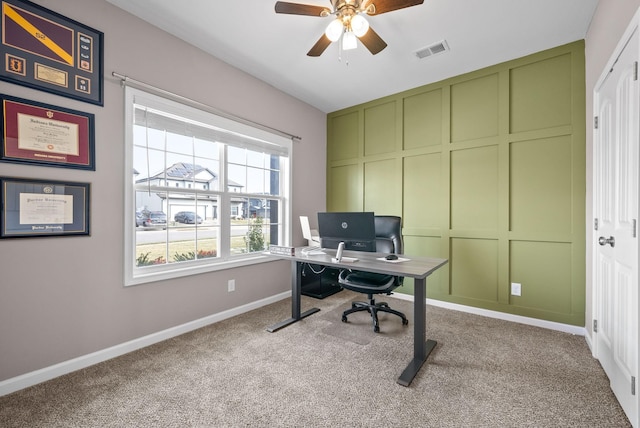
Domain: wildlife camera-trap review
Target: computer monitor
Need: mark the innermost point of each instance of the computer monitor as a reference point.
(356, 229)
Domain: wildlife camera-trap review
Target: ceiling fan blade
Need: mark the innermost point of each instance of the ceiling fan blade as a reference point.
(301, 9)
(320, 46)
(384, 6)
(373, 41)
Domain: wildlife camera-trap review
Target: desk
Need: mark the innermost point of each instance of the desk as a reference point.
(418, 268)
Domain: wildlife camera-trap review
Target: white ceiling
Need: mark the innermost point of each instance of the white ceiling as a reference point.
(249, 35)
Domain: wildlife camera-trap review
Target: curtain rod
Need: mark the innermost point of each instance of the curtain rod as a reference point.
(125, 79)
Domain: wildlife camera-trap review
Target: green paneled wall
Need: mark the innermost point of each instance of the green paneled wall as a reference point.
(379, 189)
(487, 169)
(474, 189)
(379, 129)
(422, 119)
(474, 108)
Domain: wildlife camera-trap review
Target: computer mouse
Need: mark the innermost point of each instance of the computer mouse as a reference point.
(391, 257)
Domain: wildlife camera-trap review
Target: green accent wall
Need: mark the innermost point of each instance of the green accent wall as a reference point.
(487, 169)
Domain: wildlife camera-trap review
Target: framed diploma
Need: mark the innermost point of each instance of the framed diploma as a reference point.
(36, 208)
(47, 51)
(47, 135)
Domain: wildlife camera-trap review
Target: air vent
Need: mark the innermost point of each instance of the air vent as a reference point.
(434, 49)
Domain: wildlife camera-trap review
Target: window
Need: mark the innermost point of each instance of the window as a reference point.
(203, 192)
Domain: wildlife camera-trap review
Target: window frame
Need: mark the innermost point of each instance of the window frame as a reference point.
(133, 274)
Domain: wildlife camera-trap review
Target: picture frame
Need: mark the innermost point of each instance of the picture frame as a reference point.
(45, 50)
(41, 207)
(47, 135)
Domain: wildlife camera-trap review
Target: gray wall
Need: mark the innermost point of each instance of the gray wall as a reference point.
(62, 298)
(607, 27)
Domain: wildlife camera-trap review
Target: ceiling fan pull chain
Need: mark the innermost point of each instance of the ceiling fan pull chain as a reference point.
(342, 52)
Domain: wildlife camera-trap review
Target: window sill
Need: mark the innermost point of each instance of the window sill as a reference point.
(172, 271)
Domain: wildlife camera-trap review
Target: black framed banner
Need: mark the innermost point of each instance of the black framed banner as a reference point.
(47, 51)
(36, 208)
(43, 134)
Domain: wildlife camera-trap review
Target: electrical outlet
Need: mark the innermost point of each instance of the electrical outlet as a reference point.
(516, 289)
(231, 285)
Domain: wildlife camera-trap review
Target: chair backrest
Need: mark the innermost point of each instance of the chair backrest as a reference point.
(388, 240)
(388, 234)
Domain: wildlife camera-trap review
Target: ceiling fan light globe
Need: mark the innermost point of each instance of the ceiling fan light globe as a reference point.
(359, 25)
(349, 41)
(334, 30)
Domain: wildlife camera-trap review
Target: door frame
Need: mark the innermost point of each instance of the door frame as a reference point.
(592, 235)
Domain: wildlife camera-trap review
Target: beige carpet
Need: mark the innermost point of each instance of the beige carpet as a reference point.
(324, 373)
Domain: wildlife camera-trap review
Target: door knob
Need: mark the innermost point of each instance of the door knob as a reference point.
(604, 241)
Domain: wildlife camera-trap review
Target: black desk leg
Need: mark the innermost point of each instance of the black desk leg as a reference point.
(421, 347)
(296, 293)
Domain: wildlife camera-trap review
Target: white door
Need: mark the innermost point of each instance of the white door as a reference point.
(616, 213)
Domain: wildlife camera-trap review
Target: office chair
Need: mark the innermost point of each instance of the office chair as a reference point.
(388, 240)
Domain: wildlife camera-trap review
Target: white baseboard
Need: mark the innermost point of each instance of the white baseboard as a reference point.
(567, 328)
(33, 378)
(589, 339)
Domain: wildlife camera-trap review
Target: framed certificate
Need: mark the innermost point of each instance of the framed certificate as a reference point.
(47, 51)
(47, 135)
(36, 208)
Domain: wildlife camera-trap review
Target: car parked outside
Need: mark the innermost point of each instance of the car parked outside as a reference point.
(151, 219)
(187, 217)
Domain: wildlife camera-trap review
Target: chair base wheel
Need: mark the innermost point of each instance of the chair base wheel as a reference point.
(373, 308)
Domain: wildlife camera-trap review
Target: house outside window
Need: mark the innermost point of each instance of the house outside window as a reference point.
(222, 186)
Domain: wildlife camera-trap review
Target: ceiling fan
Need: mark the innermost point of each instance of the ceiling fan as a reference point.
(349, 22)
